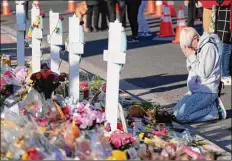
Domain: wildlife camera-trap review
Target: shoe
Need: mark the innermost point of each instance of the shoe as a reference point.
(140, 34)
(226, 80)
(104, 28)
(133, 40)
(145, 34)
(26, 44)
(221, 110)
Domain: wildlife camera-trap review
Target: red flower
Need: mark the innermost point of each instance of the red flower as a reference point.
(62, 77)
(61, 18)
(51, 76)
(78, 122)
(107, 127)
(8, 73)
(38, 76)
(42, 14)
(33, 154)
(33, 77)
(119, 126)
(66, 110)
(160, 133)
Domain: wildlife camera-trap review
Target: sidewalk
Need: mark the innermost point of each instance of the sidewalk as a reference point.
(212, 131)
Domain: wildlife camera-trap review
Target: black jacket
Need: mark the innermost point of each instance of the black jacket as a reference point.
(194, 12)
(92, 2)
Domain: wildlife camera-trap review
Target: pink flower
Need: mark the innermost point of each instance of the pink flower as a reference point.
(20, 74)
(107, 127)
(117, 143)
(84, 123)
(78, 122)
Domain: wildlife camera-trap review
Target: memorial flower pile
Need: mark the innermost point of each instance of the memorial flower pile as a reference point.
(46, 124)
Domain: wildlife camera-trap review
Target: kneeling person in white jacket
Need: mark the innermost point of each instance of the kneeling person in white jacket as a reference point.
(202, 102)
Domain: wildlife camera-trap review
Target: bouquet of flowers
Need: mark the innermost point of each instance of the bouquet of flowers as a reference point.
(46, 81)
(122, 141)
(85, 117)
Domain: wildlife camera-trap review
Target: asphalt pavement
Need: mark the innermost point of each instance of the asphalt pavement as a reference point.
(155, 68)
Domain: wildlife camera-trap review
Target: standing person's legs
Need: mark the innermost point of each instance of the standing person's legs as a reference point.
(111, 9)
(122, 14)
(225, 61)
(89, 18)
(26, 8)
(130, 17)
(96, 13)
(191, 14)
(135, 12)
(143, 26)
(103, 11)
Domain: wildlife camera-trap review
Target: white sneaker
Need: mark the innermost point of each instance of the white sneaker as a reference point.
(226, 80)
(221, 110)
(147, 34)
(144, 34)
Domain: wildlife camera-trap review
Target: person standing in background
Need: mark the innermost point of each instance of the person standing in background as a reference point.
(223, 30)
(193, 12)
(223, 13)
(111, 4)
(143, 26)
(132, 12)
(104, 14)
(92, 11)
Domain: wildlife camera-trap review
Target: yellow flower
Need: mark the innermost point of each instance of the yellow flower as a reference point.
(118, 155)
(24, 156)
(141, 135)
(42, 129)
(9, 155)
(148, 141)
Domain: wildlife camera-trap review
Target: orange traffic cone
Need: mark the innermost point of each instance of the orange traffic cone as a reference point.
(158, 8)
(172, 8)
(150, 8)
(71, 6)
(117, 8)
(6, 11)
(180, 24)
(36, 3)
(161, 22)
(166, 30)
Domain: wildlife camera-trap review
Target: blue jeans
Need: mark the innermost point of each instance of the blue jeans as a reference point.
(197, 107)
(225, 59)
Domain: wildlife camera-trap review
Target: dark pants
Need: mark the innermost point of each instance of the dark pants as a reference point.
(132, 12)
(193, 13)
(93, 11)
(104, 13)
(112, 12)
(26, 8)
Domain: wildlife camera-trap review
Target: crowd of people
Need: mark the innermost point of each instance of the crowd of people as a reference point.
(106, 10)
